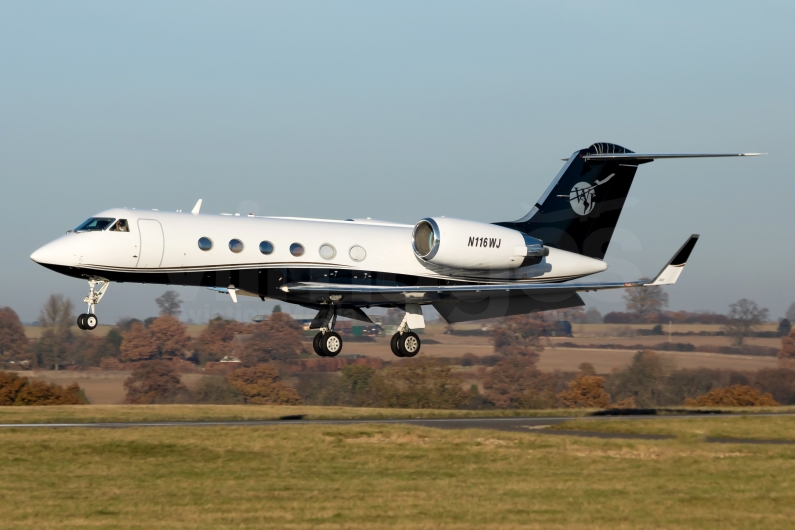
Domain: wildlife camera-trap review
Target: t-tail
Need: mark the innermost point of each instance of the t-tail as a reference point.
(580, 209)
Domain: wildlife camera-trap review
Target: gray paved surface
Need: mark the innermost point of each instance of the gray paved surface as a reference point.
(536, 425)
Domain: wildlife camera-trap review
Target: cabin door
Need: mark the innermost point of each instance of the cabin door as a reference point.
(151, 249)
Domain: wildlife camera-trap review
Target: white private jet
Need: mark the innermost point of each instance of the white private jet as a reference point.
(467, 270)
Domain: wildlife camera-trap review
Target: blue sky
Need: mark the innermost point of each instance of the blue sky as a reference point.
(399, 111)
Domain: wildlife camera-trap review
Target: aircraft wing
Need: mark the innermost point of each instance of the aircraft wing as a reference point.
(468, 293)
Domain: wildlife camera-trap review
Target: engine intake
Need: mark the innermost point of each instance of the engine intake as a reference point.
(426, 239)
(473, 245)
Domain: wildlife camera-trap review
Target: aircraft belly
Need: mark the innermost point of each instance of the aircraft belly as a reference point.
(516, 303)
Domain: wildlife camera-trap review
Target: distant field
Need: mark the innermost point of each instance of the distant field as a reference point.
(386, 476)
(102, 387)
(586, 330)
(568, 359)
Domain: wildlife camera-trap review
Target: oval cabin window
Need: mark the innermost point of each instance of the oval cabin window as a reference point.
(205, 243)
(236, 246)
(266, 247)
(357, 253)
(327, 251)
(297, 250)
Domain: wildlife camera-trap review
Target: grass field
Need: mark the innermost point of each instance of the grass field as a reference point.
(386, 476)
(753, 427)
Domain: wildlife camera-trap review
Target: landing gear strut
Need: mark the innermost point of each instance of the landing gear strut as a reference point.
(406, 343)
(89, 321)
(327, 343)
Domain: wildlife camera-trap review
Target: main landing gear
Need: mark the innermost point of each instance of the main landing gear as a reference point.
(89, 321)
(327, 343)
(406, 343)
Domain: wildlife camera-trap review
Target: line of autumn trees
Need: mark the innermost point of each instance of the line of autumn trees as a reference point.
(131, 340)
(514, 381)
(158, 349)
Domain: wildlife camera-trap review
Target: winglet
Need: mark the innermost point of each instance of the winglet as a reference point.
(673, 269)
(196, 208)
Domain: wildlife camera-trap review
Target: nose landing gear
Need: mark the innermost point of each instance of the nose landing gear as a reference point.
(89, 321)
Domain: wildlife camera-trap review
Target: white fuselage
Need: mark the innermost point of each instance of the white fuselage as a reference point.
(168, 242)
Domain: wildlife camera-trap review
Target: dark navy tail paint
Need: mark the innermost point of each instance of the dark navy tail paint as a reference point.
(580, 209)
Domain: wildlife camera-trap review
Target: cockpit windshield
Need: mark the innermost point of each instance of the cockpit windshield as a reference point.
(95, 224)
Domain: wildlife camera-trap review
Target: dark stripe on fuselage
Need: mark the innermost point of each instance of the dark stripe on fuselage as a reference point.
(266, 282)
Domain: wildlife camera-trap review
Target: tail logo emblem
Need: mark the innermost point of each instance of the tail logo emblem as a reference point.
(583, 196)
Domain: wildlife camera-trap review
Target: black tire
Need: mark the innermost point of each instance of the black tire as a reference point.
(393, 343)
(90, 321)
(316, 344)
(81, 321)
(331, 344)
(409, 344)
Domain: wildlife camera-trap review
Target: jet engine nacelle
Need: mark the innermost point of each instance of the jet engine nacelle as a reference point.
(461, 244)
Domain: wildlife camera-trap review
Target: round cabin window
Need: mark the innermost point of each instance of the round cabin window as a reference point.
(327, 251)
(297, 250)
(266, 247)
(205, 243)
(357, 253)
(236, 246)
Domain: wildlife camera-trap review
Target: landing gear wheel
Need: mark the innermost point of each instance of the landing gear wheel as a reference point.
(90, 321)
(393, 343)
(331, 343)
(81, 321)
(316, 344)
(409, 344)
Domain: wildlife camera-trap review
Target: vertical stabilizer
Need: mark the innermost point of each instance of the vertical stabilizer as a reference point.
(580, 209)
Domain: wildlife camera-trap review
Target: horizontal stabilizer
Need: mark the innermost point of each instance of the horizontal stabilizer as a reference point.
(673, 269)
(656, 156)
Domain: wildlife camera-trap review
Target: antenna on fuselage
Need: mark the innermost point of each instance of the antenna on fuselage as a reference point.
(196, 208)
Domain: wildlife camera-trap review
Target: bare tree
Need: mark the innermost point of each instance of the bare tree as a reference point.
(646, 300)
(745, 316)
(169, 303)
(56, 318)
(57, 312)
(790, 315)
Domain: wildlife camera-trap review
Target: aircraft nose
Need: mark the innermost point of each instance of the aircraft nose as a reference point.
(51, 253)
(40, 255)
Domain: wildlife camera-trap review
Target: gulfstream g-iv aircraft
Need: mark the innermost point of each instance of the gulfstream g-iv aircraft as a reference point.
(467, 270)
